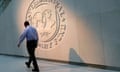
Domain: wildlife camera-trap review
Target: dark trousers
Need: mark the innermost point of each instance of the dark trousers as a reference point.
(31, 46)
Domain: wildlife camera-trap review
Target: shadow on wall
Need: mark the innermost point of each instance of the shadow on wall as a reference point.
(74, 58)
(3, 5)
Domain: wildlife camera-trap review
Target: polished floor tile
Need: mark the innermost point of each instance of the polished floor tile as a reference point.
(16, 64)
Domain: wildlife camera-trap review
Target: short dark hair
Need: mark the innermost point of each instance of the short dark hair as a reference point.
(26, 23)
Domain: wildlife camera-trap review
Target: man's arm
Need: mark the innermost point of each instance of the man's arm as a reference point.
(22, 37)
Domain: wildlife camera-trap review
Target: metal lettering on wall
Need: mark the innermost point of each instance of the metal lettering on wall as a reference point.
(48, 17)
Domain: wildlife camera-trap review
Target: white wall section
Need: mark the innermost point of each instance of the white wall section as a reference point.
(85, 31)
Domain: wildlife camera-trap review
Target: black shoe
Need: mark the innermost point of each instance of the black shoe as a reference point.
(35, 70)
(27, 64)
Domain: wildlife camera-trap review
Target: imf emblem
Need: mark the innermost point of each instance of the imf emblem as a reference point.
(48, 17)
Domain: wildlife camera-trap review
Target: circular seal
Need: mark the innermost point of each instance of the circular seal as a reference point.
(48, 17)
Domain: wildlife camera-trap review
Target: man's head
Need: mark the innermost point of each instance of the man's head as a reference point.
(26, 23)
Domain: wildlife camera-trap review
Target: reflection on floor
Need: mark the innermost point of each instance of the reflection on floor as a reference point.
(16, 64)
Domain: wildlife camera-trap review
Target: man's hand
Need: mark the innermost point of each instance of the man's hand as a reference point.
(18, 45)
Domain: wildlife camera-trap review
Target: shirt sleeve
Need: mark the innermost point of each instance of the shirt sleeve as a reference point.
(22, 37)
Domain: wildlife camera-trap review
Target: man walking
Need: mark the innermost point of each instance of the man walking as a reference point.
(31, 36)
